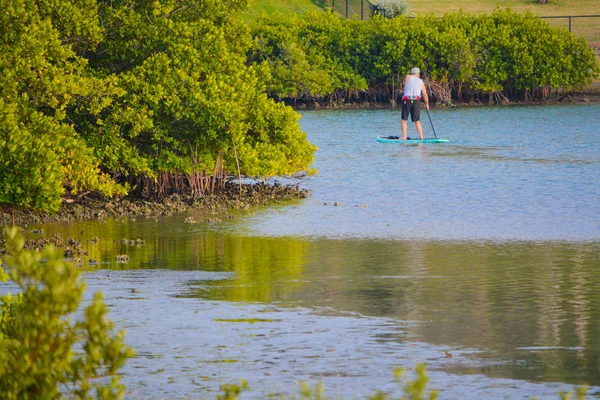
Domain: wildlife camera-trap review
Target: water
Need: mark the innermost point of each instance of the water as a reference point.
(512, 173)
(479, 257)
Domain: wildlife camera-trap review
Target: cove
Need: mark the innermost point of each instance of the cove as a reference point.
(478, 257)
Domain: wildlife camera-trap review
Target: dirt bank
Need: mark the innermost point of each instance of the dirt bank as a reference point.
(96, 207)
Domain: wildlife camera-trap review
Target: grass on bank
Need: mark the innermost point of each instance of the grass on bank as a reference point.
(436, 7)
(285, 7)
(551, 8)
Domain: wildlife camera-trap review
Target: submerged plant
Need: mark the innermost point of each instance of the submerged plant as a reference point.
(232, 392)
(580, 393)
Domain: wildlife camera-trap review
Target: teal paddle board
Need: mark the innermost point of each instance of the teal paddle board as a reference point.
(396, 139)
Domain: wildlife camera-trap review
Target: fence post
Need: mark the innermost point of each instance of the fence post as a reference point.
(362, 10)
(333, 4)
(569, 23)
(347, 8)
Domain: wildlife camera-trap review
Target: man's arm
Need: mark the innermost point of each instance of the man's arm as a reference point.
(425, 96)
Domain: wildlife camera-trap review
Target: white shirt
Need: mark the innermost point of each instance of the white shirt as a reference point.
(413, 87)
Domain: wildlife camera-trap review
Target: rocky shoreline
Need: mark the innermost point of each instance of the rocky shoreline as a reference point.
(94, 207)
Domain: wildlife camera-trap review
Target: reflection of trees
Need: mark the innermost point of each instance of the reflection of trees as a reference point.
(477, 295)
(493, 296)
(264, 268)
(102, 240)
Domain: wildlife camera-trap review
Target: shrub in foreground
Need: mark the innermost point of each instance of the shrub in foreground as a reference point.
(44, 353)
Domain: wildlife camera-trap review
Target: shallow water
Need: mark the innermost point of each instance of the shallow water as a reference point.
(511, 173)
(479, 257)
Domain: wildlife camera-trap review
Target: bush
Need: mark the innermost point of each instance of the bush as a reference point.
(43, 353)
(496, 56)
(42, 77)
(392, 8)
(105, 95)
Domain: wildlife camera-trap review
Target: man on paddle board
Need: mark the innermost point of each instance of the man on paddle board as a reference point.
(411, 100)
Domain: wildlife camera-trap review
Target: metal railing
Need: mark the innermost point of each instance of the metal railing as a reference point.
(587, 26)
(362, 9)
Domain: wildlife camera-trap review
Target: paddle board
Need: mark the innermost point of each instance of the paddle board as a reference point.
(396, 139)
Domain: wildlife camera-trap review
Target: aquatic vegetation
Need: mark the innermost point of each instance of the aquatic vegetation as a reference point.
(413, 389)
(246, 320)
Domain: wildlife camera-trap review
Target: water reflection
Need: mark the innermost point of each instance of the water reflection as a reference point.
(494, 260)
(508, 173)
(531, 308)
(533, 305)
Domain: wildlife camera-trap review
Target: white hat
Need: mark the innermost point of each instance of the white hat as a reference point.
(415, 70)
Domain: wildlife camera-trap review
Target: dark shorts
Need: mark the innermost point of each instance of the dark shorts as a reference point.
(413, 107)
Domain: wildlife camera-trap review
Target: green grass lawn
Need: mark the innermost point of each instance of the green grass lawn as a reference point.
(437, 7)
(258, 7)
(551, 8)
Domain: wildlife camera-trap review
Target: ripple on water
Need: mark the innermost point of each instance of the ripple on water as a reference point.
(496, 180)
(479, 257)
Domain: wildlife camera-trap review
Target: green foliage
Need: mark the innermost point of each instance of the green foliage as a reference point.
(30, 170)
(308, 393)
(39, 156)
(413, 390)
(416, 390)
(189, 95)
(43, 354)
(295, 72)
(580, 393)
(3, 275)
(232, 392)
(159, 87)
(478, 55)
(43, 77)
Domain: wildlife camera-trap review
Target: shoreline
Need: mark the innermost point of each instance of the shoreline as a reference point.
(591, 96)
(96, 207)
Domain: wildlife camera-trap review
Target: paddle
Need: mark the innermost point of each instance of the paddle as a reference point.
(431, 122)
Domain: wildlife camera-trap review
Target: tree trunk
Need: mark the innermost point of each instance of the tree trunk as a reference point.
(237, 162)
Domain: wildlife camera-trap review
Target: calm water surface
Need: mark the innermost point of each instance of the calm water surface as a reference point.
(512, 173)
(479, 257)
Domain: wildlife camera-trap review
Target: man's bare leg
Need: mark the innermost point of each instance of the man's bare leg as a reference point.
(404, 128)
(419, 129)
